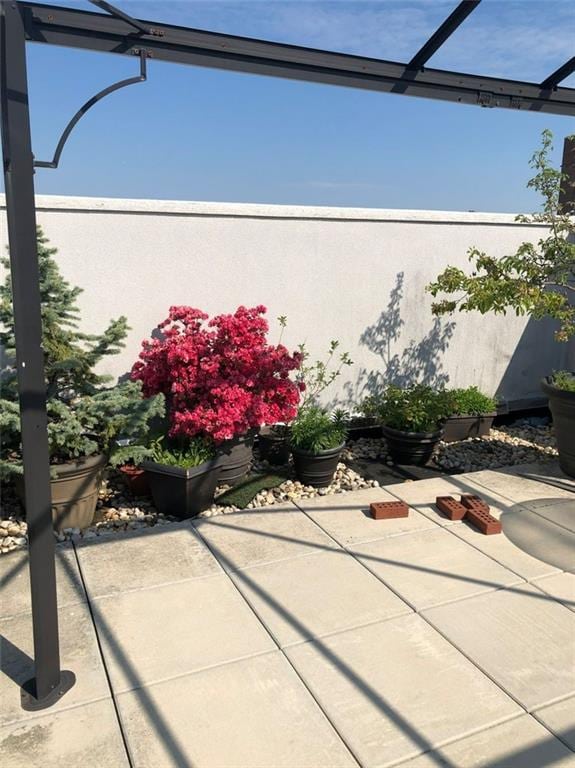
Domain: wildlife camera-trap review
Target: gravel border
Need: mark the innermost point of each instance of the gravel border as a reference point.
(522, 443)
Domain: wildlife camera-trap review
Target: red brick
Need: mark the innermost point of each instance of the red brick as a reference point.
(387, 510)
(483, 521)
(469, 500)
(450, 507)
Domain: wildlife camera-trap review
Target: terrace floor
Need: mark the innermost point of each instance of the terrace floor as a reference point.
(312, 637)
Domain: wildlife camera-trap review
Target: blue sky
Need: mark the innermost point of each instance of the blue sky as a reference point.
(199, 134)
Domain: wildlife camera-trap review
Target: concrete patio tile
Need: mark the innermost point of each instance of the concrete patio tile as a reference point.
(112, 564)
(561, 512)
(253, 713)
(397, 688)
(543, 471)
(262, 536)
(346, 517)
(87, 736)
(540, 538)
(560, 719)
(154, 634)
(516, 488)
(561, 586)
(432, 567)
(78, 651)
(520, 637)
(519, 743)
(15, 581)
(317, 595)
(501, 548)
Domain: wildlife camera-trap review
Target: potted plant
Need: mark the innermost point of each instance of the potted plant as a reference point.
(182, 475)
(312, 380)
(537, 280)
(473, 414)
(221, 378)
(412, 420)
(560, 389)
(85, 419)
(317, 440)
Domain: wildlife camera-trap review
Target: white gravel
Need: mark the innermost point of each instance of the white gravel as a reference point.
(523, 443)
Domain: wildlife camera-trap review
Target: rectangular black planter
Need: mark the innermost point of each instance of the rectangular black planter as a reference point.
(182, 492)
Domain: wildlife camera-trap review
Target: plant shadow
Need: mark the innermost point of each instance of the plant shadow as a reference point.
(401, 363)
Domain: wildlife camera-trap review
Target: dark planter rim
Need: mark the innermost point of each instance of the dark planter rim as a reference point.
(416, 435)
(320, 454)
(187, 473)
(551, 390)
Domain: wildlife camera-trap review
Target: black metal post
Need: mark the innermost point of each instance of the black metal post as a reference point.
(567, 194)
(49, 682)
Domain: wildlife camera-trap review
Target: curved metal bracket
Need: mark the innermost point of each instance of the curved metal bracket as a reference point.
(90, 103)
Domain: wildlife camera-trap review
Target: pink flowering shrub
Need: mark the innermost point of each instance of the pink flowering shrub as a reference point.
(220, 376)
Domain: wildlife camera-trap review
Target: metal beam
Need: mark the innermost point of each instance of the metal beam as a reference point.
(98, 32)
(49, 683)
(445, 31)
(559, 75)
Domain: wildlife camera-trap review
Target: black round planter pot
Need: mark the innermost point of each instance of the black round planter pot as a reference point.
(562, 407)
(411, 447)
(273, 445)
(316, 469)
(463, 427)
(235, 458)
(182, 492)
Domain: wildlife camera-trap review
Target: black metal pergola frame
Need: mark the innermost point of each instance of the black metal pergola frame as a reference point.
(116, 32)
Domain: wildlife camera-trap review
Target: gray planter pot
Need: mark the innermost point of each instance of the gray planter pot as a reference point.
(316, 469)
(74, 491)
(235, 457)
(181, 492)
(463, 427)
(413, 448)
(562, 407)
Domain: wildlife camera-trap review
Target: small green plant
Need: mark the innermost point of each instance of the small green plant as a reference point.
(315, 378)
(471, 402)
(538, 279)
(564, 380)
(182, 453)
(415, 409)
(316, 430)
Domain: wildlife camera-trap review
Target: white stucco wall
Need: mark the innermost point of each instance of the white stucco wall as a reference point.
(332, 271)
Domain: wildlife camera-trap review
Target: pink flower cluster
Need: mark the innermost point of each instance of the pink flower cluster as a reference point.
(220, 376)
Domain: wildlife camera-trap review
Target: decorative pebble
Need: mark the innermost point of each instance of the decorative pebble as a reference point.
(522, 443)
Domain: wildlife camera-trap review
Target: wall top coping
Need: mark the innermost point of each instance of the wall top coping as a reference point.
(56, 203)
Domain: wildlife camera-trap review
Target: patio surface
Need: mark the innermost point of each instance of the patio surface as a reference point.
(312, 636)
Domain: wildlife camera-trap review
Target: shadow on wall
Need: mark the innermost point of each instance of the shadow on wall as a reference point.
(420, 361)
(536, 355)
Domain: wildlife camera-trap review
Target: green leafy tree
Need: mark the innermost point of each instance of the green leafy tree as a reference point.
(84, 416)
(538, 279)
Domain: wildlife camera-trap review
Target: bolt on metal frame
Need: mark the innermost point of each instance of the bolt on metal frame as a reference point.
(117, 32)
